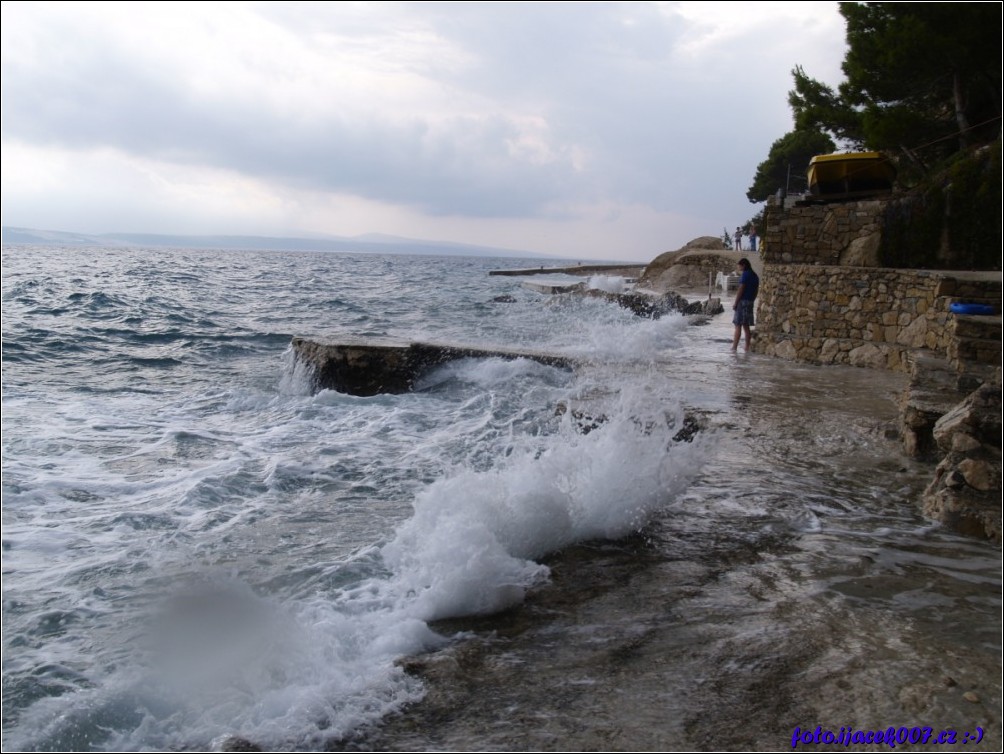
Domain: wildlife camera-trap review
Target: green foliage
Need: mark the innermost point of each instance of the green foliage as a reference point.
(922, 79)
(788, 157)
(912, 231)
(923, 84)
(974, 210)
(726, 238)
(816, 107)
(952, 220)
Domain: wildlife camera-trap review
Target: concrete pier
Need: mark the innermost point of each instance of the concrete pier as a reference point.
(367, 368)
(623, 270)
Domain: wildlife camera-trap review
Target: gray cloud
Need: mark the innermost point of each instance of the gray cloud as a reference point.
(479, 110)
(458, 164)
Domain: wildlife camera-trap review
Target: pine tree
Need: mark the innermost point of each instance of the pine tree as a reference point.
(922, 79)
(788, 159)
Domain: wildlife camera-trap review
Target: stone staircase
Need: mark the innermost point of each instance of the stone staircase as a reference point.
(972, 358)
(951, 412)
(974, 348)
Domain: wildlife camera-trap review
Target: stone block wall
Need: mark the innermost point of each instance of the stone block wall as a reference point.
(861, 316)
(825, 299)
(845, 233)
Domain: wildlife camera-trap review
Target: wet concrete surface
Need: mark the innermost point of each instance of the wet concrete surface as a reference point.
(794, 585)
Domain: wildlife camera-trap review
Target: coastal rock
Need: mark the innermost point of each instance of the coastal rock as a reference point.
(931, 398)
(238, 743)
(690, 267)
(980, 475)
(710, 306)
(586, 421)
(648, 306)
(966, 491)
(653, 306)
(979, 415)
(963, 443)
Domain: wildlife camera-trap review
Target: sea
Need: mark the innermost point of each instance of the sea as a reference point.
(665, 546)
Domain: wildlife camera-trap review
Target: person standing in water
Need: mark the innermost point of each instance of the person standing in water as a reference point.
(749, 286)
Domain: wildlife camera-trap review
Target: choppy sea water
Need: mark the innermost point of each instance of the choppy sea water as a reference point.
(196, 546)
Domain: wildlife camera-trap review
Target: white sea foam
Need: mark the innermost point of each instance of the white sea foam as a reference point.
(192, 551)
(607, 283)
(222, 660)
(216, 558)
(471, 544)
(645, 341)
(297, 375)
(492, 373)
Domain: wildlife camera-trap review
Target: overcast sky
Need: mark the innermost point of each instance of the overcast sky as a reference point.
(590, 130)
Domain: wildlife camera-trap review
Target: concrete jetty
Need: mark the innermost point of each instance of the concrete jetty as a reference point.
(621, 270)
(370, 368)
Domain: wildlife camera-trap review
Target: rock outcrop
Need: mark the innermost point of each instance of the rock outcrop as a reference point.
(933, 391)
(689, 268)
(654, 306)
(966, 491)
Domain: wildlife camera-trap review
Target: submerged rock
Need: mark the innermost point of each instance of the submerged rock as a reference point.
(237, 743)
(650, 307)
(655, 306)
(586, 421)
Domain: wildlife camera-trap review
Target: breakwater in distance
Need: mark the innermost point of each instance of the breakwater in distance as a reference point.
(200, 549)
(579, 270)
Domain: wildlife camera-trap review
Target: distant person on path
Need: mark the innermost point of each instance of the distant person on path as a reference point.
(739, 238)
(753, 238)
(749, 286)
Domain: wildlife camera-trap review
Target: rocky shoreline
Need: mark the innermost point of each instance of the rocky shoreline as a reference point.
(941, 421)
(965, 493)
(724, 626)
(712, 631)
(956, 429)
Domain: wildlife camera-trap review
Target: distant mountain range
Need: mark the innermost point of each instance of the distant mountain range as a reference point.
(376, 243)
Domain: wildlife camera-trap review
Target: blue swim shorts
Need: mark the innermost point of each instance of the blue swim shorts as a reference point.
(743, 313)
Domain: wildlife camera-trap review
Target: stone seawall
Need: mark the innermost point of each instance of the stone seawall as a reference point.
(852, 315)
(825, 299)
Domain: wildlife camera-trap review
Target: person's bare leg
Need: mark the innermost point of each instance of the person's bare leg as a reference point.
(735, 338)
(749, 337)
